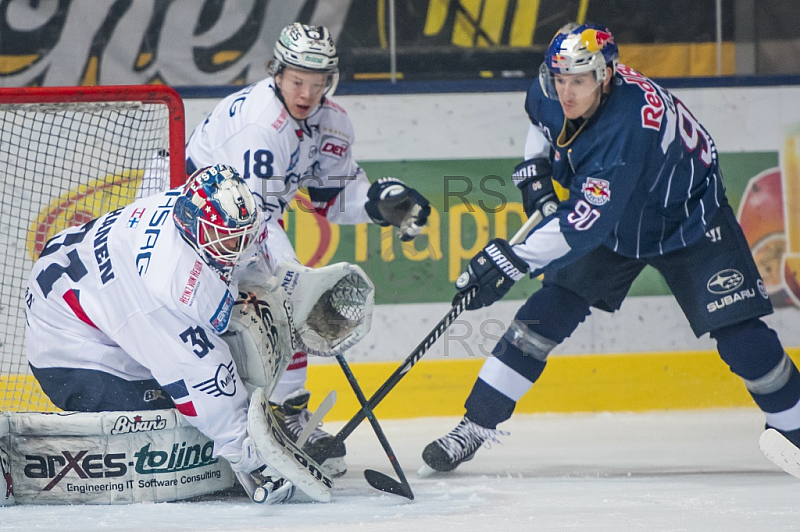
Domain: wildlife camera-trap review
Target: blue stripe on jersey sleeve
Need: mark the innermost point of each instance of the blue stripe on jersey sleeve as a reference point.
(177, 389)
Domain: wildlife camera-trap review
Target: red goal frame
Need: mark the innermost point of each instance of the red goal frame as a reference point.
(18, 389)
(117, 93)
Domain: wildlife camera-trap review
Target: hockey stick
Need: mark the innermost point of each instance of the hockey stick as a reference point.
(314, 421)
(423, 346)
(376, 479)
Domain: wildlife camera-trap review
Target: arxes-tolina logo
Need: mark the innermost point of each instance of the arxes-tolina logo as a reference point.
(179, 458)
(81, 463)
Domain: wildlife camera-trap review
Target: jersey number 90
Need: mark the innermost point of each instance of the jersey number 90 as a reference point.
(583, 216)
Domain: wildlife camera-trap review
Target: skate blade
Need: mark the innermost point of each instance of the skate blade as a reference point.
(780, 451)
(426, 471)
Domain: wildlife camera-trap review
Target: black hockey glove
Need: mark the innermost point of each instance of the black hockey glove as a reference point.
(493, 271)
(392, 202)
(534, 179)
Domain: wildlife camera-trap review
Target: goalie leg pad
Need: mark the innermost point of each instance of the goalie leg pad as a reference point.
(109, 458)
(6, 483)
(282, 455)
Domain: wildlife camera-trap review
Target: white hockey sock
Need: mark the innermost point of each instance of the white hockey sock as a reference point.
(293, 379)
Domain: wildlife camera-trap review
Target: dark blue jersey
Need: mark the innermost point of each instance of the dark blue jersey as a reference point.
(642, 174)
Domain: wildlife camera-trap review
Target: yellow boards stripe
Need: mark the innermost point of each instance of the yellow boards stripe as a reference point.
(574, 383)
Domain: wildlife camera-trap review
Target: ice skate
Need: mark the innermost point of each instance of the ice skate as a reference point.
(293, 415)
(460, 445)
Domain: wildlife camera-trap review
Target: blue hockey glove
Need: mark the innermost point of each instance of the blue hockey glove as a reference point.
(494, 270)
(534, 179)
(392, 202)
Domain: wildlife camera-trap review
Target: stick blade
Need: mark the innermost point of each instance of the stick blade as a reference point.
(387, 484)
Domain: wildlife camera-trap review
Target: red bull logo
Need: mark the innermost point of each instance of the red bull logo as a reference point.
(595, 40)
(559, 61)
(596, 191)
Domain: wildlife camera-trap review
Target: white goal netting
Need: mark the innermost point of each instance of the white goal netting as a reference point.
(68, 155)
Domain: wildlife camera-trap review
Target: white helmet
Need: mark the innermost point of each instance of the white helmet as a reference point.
(307, 48)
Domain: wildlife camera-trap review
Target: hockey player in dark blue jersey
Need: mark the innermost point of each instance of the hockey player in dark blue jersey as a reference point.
(644, 187)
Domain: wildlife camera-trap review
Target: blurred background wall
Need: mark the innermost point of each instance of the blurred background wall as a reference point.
(226, 42)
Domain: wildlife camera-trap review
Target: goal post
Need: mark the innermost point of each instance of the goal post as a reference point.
(68, 155)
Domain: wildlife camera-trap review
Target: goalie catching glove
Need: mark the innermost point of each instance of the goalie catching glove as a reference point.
(534, 179)
(392, 202)
(493, 271)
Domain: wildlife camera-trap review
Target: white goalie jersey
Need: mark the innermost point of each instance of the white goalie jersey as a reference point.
(125, 295)
(275, 154)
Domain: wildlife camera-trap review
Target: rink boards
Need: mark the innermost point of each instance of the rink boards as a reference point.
(571, 383)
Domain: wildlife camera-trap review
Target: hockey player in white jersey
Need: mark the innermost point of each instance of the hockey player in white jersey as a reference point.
(285, 133)
(126, 312)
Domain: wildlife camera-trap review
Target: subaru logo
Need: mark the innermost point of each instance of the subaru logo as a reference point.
(725, 281)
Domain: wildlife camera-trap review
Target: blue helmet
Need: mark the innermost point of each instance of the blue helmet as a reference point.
(576, 49)
(217, 215)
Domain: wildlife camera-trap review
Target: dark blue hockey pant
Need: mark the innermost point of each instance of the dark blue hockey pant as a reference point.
(719, 289)
(87, 390)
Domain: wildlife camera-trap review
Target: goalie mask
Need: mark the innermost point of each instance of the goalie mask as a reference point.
(577, 49)
(217, 216)
(308, 49)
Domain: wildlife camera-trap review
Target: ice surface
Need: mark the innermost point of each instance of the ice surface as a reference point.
(686, 471)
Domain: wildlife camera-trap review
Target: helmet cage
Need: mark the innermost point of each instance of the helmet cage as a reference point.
(577, 49)
(224, 245)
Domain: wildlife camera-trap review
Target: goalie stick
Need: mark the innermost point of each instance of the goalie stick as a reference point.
(260, 494)
(376, 479)
(422, 348)
(282, 455)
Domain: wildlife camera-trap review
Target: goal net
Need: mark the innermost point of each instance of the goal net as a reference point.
(68, 155)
